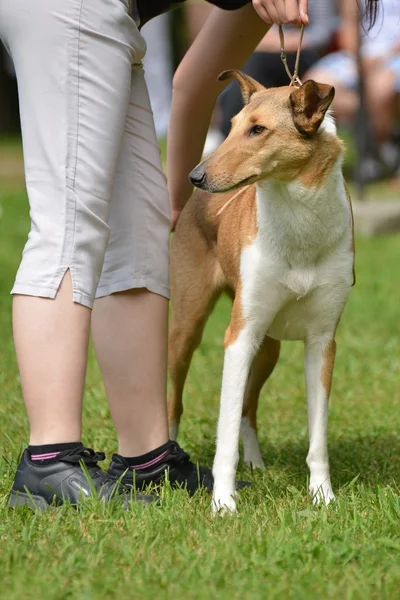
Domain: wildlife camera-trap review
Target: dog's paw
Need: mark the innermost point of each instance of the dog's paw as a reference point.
(255, 462)
(321, 492)
(251, 448)
(223, 502)
(173, 430)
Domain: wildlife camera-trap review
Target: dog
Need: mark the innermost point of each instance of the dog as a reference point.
(271, 225)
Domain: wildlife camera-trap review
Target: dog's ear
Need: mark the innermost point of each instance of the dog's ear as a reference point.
(309, 104)
(248, 85)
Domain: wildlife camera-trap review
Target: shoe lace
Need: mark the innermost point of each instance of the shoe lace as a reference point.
(90, 458)
(86, 455)
(177, 454)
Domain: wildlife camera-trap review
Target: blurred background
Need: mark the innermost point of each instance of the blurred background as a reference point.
(363, 66)
(350, 552)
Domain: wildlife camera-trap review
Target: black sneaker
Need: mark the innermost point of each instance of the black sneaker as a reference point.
(75, 473)
(182, 473)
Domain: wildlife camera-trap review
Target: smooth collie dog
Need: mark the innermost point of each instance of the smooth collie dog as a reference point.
(272, 226)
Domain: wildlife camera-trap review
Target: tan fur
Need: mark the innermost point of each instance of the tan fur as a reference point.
(327, 367)
(309, 104)
(262, 367)
(327, 149)
(205, 255)
(208, 242)
(280, 151)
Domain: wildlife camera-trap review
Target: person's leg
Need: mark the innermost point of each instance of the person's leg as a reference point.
(338, 69)
(345, 102)
(382, 101)
(130, 315)
(51, 340)
(130, 336)
(74, 92)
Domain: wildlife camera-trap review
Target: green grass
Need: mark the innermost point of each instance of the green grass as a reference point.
(279, 545)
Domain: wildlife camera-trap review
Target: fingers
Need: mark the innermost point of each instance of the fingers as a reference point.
(261, 10)
(303, 9)
(283, 12)
(292, 12)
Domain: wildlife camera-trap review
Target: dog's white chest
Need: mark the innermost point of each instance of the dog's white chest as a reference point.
(300, 281)
(298, 269)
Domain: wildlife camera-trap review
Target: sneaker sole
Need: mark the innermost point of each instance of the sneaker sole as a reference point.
(18, 499)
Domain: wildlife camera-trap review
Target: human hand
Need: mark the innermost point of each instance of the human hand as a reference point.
(283, 12)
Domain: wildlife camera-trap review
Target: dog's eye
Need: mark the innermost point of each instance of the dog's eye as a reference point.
(257, 129)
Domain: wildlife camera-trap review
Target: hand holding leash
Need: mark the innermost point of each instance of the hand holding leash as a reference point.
(283, 12)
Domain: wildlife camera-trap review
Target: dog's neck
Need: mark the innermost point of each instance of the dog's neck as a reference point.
(303, 219)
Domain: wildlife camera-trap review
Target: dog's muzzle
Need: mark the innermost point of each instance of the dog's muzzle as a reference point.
(198, 177)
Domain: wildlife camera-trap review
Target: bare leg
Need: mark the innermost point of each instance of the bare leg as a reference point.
(51, 341)
(381, 96)
(130, 337)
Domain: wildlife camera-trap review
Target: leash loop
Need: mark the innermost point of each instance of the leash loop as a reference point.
(294, 79)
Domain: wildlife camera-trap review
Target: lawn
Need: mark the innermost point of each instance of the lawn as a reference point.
(278, 545)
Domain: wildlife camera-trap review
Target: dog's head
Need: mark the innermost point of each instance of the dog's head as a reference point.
(274, 135)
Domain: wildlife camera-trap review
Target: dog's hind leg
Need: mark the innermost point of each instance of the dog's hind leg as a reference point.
(263, 364)
(195, 285)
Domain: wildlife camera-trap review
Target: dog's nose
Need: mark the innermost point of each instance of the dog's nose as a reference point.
(198, 177)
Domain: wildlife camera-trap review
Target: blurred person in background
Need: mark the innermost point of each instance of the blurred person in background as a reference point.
(265, 65)
(380, 61)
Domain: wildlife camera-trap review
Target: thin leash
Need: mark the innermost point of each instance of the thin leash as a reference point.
(294, 80)
(243, 189)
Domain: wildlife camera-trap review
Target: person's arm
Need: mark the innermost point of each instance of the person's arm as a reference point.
(225, 42)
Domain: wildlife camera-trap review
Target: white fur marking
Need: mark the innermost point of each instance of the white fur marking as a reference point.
(295, 277)
(251, 448)
(328, 124)
(317, 403)
(173, 430)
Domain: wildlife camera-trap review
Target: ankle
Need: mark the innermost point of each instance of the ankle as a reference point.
(45, 453)
(44, 439)
(150, 459)
(140, 447)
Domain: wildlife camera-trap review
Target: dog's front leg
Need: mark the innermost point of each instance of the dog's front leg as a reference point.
(319, 360)
(237, 362)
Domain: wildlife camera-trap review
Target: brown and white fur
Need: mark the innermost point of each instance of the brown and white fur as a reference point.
(282, 249)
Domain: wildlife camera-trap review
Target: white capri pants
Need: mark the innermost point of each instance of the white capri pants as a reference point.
(97, 192)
